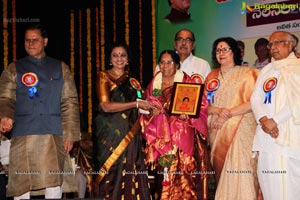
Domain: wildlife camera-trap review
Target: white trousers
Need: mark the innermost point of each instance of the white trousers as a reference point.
(81, 183)
(278, 176)
(50, 193)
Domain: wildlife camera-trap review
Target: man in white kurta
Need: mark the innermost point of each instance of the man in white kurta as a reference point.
(276, 105)
(185, 44)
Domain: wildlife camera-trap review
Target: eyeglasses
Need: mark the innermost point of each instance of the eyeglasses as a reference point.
(223, 50)
(187, 40)
(170, 62)
(277, 42)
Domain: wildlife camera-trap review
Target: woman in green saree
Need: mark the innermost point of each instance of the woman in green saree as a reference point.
(118, 154)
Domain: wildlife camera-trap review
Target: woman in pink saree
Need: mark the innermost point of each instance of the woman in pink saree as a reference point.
(175, 145)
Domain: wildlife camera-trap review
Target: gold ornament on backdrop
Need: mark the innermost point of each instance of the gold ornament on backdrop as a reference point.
(89, 69)
(102, 38)
(126, 22)
(153, 35)
(140, 41)
(80, 63)
(14, 30)
(114, 21)
(72, 43)
(5, 33)
(97, 41)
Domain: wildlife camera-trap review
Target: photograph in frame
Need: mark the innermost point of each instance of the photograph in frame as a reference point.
(186, 98)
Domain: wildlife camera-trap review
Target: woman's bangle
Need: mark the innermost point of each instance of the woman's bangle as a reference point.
(137, 104)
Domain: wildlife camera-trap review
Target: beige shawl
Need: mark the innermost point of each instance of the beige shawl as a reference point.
(288, 93)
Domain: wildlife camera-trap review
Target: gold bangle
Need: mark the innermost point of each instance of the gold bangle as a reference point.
(137, 104)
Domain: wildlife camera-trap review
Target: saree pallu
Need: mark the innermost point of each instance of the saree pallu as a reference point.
(118, 151)
(231, 146)
(195, 183)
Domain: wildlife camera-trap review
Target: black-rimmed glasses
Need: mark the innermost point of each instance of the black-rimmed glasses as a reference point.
(187, 40)
(223, 50)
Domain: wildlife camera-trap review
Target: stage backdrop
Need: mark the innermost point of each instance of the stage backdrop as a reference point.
(246, 20)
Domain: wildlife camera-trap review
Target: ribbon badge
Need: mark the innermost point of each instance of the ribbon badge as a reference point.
(197, 78)
(269, 85)
(136, 85)
(30, 80)
(212, 86)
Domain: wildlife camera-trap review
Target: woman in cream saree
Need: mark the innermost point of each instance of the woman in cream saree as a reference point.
(231, 123)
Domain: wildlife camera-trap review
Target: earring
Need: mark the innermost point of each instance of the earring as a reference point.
(110, 63)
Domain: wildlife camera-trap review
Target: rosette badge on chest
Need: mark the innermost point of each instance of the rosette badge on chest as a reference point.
(137, 86)
(197, 78)
(212, 86)
(30, 80)
(269, 85)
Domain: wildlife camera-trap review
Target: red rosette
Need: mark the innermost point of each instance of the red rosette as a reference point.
(270, 84)
(213, 85)
(30, 79)
(135, 84)
(197, 78)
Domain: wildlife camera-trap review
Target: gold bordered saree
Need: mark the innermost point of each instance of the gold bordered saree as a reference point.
(118, 152)
(231, 146)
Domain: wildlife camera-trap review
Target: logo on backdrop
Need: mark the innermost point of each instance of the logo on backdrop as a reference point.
(261, 14)
(246, 8)
(280, 8)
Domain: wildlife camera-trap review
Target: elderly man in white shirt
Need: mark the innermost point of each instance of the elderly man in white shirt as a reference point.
(276, 105)
(190, 64)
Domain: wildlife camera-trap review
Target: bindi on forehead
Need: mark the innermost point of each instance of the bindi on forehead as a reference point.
(222, 45)
(119, 52)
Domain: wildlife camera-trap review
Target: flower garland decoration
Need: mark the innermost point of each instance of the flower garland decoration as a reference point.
(141, 40)
(97, 40)
(114, 21)
(89, 69)
(166, 159)
(102, 39)
(126, 22)
(72, 43)
(5, 34)
(14, 30)
(158, 81)
(153, 34)
(80, 63)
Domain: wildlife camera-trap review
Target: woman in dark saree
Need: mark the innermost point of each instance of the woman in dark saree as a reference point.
(118, 154)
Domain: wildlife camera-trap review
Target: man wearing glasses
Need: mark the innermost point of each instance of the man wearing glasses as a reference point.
(275, 103)
(184, 45)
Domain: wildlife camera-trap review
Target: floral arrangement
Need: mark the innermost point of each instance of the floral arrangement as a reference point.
(158, 81)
